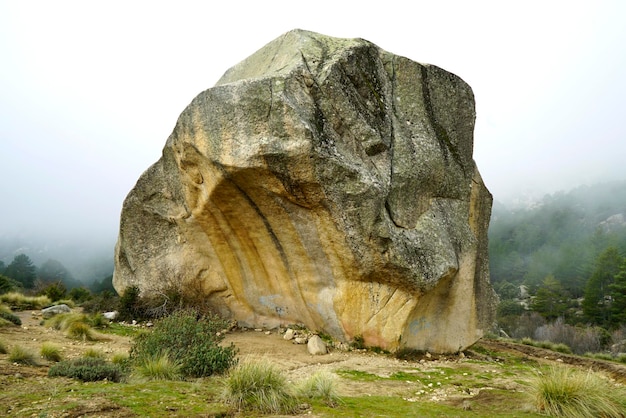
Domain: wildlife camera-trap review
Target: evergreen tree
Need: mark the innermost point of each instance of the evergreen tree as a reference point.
(597, 305)
(618, 297)
(22, 270)
(551, 299)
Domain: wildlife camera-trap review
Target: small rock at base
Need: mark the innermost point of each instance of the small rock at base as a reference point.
(316, 346)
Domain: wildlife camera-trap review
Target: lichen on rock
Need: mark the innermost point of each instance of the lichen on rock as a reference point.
(326, 182)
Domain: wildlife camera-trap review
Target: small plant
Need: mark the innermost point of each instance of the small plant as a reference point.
(97, 320)
(159, 367)
(568, 392)
(5, 313)
(191, 340)
(21, 355)
(87, 369)
(358, 342)
(562, 348)
(80, 330)
(260, 387)
(93, 353)
(3, 348)
(120, 359)
(50, 352)
(320, 386)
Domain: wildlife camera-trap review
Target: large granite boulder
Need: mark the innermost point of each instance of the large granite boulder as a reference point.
(327, 182)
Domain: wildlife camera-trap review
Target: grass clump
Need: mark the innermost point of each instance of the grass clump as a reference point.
(320, 386)
(19, 302)
(94, 353)
(87, 369)
(3, 347)
(568, 392)
(258, 386)
(160, 367)
(81, 331)
(191, 339)
(50, 351)
(6, 314)
(21, 355)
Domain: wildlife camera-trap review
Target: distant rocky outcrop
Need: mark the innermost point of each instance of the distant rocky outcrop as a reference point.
(326, 182)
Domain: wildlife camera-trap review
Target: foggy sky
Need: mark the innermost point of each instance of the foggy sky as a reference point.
(90, 91)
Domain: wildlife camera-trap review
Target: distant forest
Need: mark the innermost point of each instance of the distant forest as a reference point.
(562, 258)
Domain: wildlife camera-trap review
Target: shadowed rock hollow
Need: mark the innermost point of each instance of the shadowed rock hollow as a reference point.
(327, 182)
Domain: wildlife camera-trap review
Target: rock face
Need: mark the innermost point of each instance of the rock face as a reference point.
(327, 182)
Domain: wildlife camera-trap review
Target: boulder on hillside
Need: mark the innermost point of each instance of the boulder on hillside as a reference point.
(55, 310)
(327, 182)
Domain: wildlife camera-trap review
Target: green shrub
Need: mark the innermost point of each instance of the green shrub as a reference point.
(160, 367)
(87, 369)
(562, 348)
(320, 386)
(259, 386)
(120, 358)
(50, 352)
(102, 302)
(191, 340)
(7, 284)
(5, 323)
(19, 302)
(21, 355)
(10, 316)
(568, 392)
(130, 305)
(80, 294)
(3, 347)
(55, 291)
(621, 358)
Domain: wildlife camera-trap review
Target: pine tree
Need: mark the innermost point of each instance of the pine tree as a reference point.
(596, 304)
(22, 270)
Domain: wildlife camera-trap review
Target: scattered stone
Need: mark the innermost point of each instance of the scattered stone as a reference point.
(55, 310)
(111, 315)
(258, 329)
(316, 346)
(268, 332)
(149, 324)
(300, 340)
(289, 334)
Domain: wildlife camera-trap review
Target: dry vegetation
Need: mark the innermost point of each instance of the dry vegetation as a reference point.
(493, 378)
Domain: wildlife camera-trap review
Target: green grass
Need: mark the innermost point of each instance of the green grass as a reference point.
(94, 353)
(320, 386)
(159, 367)
(259, 386)
(568, 392)
(50, 351)
(80, 331)
(19, 302)
(21, 355)
(3, 347)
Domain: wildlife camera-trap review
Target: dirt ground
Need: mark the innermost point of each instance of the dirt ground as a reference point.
(299, 364)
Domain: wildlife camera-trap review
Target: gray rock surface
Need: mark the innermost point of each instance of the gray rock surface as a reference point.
(316, 346)
(55, 310)
(326, 182)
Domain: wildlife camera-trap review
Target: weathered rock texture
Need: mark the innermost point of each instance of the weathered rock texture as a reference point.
(322, 181)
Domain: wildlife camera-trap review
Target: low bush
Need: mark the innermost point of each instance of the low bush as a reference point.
(320, 386)
(159, 367)
(11, 317)
(3, 347)
(21, 355)
(258, 386)
(87, 369)
(50, 351)
(5, 323)
(5, 313)
(192, 340)
(568, 392)
(20, 302)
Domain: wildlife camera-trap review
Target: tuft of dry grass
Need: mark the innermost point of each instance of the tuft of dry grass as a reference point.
(568, 392)
(50, 351)
(22, 355)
